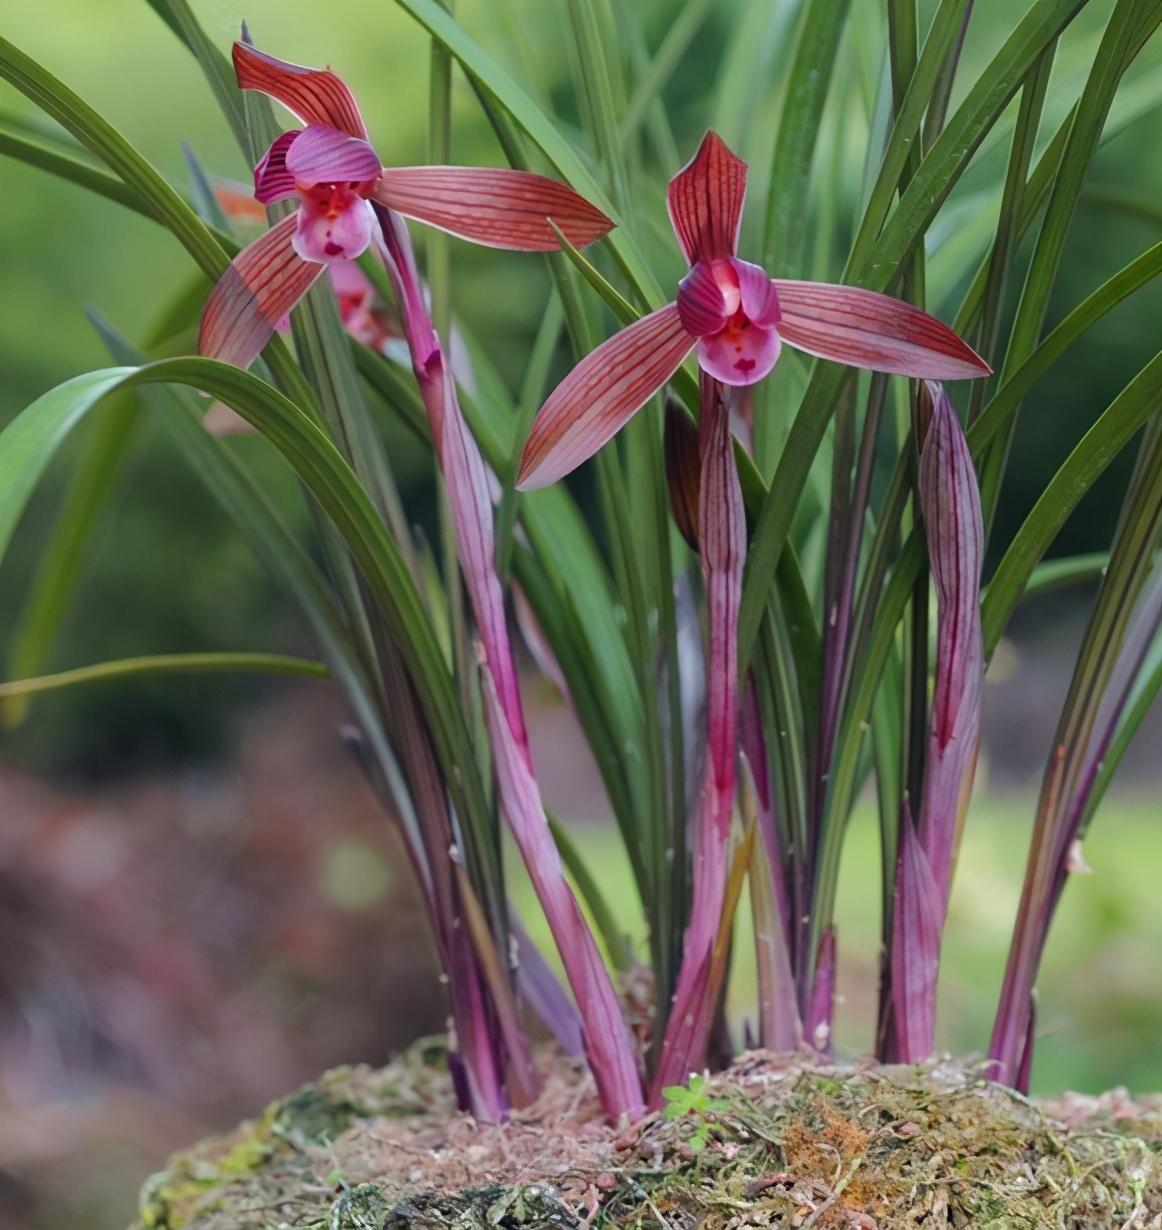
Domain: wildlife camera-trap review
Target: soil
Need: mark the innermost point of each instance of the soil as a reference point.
(774, 1141)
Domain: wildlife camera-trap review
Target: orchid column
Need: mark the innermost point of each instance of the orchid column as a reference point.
(347, 202)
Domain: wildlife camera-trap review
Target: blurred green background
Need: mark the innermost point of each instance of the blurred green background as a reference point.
(167, 573)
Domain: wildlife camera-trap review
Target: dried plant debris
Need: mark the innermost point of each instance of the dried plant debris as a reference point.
(775, 1141)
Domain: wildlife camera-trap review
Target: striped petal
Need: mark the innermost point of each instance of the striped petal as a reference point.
(315, 95)
(264, 281)
(601, 394)
(272, 181)
(866, 329)
(705, 201)
(321, 154)
(494, 207)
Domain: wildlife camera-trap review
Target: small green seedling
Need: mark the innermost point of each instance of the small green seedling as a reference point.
(692, 1099)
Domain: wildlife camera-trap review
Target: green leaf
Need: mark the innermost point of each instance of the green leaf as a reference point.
(180, 18)
(29, 442)
(543, 132)
(1115, 427)
(820, 29)
(653, 79)
(167, 664)
(21, 141)
(63, 554)
(875, 262)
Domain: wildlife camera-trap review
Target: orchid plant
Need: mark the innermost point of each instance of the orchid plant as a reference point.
(772, 593)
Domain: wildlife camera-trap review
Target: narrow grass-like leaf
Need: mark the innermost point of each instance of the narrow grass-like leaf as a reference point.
(21, 141)
(166, 664)
(60, 562)
(875, 263)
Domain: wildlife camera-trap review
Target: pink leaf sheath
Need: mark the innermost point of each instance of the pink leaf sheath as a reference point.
(705, 201)
(265, 280)
(601, 394)
(321, 154)
(821, 1003)
(496, 207)
(608, 1045)
(722, 548)
(874, 331)
(780, 1025)
(917, 923)
(315, 95)
(950, 505)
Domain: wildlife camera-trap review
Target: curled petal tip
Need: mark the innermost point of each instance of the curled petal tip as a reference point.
(315, 95)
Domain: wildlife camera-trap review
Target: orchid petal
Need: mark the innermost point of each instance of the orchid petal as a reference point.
(237, 202)
(264, 281)
(707, 298)
(315, 95)
(328, 235)
(221, 420)
(272, 181)
(601, 394)
(705, 201)
(874, 331)
(757, 292)
(742, 353)
(494, 207)
(321, 154)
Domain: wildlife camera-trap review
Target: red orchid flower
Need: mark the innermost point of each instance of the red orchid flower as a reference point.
(737, 318)
(333, 171)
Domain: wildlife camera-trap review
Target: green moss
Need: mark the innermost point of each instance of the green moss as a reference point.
(836, 1149)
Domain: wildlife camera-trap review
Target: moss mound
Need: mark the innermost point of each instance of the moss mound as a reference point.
(773, 1142)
